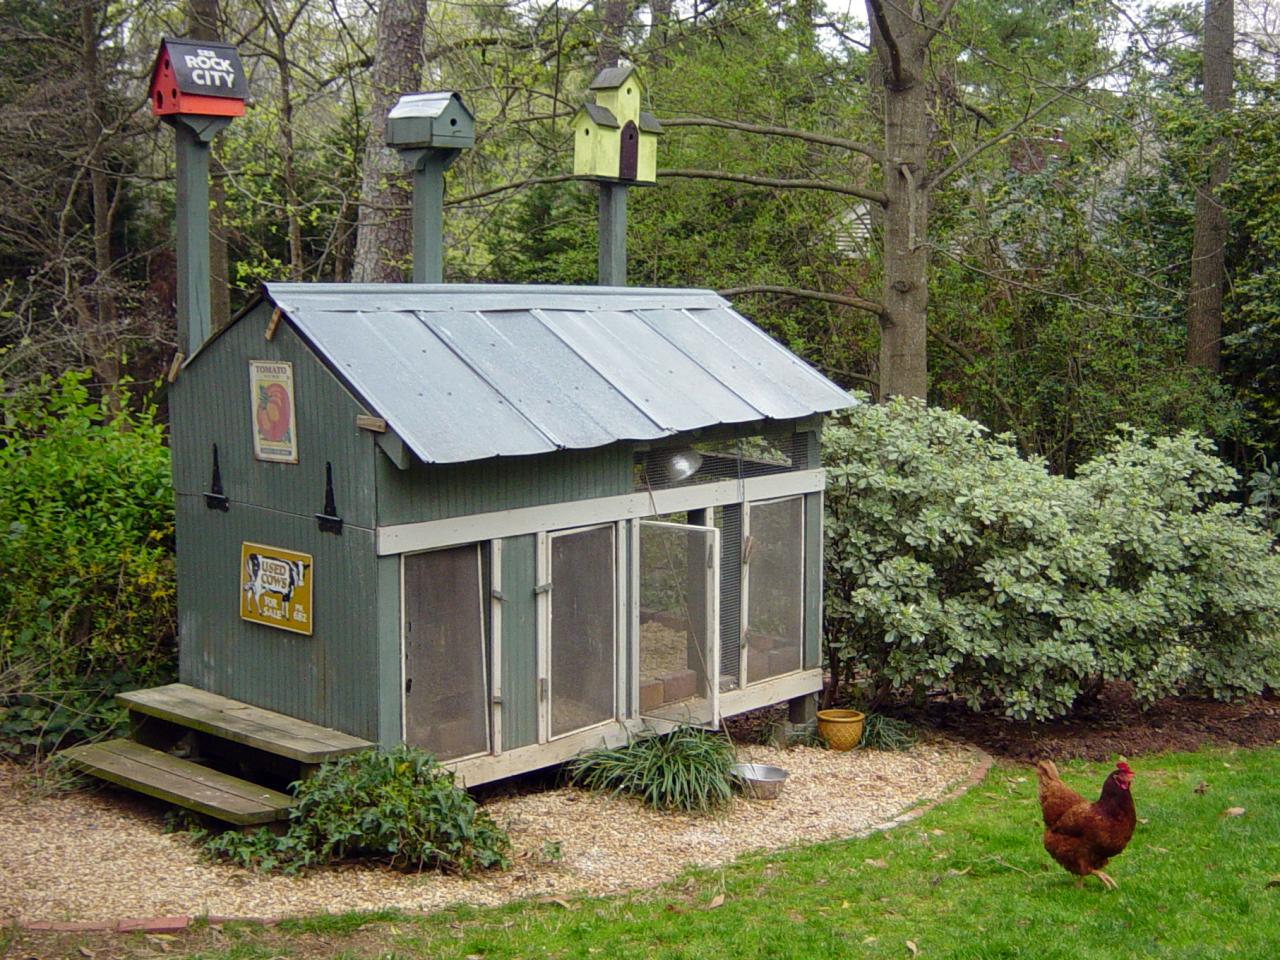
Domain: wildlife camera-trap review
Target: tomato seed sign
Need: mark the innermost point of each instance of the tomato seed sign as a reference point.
(275, 427)
(275, 587)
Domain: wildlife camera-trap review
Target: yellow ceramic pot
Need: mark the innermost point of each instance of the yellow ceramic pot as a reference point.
(840, 729)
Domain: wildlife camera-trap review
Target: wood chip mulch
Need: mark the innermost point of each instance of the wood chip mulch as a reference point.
(104, 855)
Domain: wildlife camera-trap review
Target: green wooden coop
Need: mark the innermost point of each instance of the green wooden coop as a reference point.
(504, 524)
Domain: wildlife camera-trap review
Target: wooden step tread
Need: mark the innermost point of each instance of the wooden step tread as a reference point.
(179, 781)
(242, 723)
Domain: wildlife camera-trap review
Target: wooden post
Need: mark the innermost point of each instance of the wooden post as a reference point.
(191, 209)
(612, 229)
(428, 215)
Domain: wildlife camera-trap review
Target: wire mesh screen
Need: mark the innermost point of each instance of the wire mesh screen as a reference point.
(714, 461)
(583, 628)
(676, 626)
(446, 684)
(729, 520)
(775, 588)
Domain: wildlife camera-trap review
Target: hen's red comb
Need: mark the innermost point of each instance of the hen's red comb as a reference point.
(1123, 767)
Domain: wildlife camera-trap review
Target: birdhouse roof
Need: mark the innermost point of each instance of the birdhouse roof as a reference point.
(601, 116)
(611, 77)
(466, 372)
(429, 105)
(649, 123)
(191, 62)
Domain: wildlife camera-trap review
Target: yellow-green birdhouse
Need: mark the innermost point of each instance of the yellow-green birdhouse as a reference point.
(613, 139)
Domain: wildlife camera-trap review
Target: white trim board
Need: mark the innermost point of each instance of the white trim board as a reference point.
(429, 534)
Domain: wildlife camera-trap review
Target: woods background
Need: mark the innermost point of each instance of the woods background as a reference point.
(1050, 216)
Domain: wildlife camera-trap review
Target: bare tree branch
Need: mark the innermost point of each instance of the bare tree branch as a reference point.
(1000, 137)
(875, 153)
(842, 299)
(889, 49)
(874, 196)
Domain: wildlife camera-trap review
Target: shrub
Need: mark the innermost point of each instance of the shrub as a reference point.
(686, 769)
(400, 807)
(954, 565)
(86, 530)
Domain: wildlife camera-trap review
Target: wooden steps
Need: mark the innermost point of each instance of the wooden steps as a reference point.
(241, 723)
(240, 735)
(187, 784)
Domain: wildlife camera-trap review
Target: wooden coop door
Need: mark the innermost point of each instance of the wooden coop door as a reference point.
(679, 628)
(446, 685)
(630, 156)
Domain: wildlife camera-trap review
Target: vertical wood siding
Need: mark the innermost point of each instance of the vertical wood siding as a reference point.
(519, 642)
(331, 677)
(211, 403)
(437, 491)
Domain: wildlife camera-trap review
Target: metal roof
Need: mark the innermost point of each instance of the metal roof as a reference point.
(603, 116)
(470, 371)
(430, 104)
(611, 77)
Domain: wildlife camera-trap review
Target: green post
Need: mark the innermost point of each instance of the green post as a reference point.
(193, 136)
(612, 256)
(428, 215)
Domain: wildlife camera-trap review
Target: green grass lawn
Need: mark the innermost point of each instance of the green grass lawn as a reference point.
(968, 880)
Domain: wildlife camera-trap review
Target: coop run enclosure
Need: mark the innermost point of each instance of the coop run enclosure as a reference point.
(503, 524)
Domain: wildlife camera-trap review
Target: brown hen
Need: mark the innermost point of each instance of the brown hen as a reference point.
(1080, 835)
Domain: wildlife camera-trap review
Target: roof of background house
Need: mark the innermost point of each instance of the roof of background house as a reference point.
(465, 372)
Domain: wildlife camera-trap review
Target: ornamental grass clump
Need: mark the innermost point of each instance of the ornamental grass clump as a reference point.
(956, 566)
(686, 769)
(400, 807)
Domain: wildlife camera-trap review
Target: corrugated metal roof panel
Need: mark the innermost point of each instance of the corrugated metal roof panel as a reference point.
(468, 372)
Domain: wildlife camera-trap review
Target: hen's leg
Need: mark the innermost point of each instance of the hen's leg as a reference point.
(1106, 881)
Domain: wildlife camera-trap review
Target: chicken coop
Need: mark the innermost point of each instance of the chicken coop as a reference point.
(503, 524)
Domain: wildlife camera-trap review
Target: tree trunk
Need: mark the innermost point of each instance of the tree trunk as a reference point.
(97, 311)
(613, 24)
(901, 45)
(204, 18)
(287, 152)
(384, 234)
(1208, 256)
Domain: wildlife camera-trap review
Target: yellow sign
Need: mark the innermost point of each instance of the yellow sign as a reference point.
(275, 587)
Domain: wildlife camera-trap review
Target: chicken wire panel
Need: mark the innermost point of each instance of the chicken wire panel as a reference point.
(446, 681)
(775, 588)
(678, 630)
(729, 521)
(715, 461)
(583, 629)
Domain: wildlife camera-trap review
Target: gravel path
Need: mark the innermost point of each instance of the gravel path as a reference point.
(104, 856)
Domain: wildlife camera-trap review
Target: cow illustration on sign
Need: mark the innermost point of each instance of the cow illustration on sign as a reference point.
(275, 587)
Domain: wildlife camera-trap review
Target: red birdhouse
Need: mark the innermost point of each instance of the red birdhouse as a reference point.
(199, 78)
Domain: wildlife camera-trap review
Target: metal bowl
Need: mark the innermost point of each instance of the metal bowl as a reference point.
(759, 781)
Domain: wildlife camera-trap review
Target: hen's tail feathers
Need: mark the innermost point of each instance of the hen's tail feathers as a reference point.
(1048, 771)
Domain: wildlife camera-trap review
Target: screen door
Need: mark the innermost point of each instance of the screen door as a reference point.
(446, 688)
(774, 558)
(679, 622)
(583, 632)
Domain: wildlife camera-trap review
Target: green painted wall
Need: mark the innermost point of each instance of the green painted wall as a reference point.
(519, 642)
(331, 677)
(435, 491)
(337, 677)
(211, 403)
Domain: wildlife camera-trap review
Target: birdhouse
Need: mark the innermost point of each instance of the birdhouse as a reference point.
(431, 120)
(198, 77)
(613, 138)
